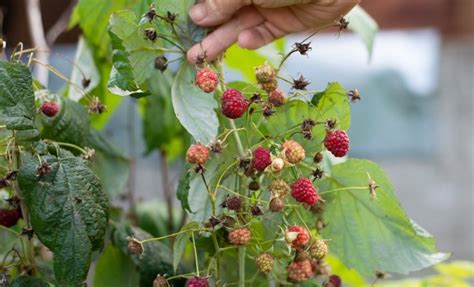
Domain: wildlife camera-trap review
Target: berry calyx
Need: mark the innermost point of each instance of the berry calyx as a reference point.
(207, 80)
(279, 188)
(239, 236)
(197, 154)
(277, 98)
(318, 249)
(233, 203)
(297, 236)
(50, 109)
(294, 152)
(299, 271)
(303, 191)
(10, 217)
(197, 281)
(264, 262)
(233, 104)
(261, 158)
(337, 142)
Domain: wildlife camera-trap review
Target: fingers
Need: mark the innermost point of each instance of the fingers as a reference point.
(227, 34)
(215, 12)
(259, 36)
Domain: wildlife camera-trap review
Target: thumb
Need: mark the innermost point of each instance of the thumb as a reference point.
(215, 12)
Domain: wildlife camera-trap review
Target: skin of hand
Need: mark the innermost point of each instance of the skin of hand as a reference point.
(254, 23)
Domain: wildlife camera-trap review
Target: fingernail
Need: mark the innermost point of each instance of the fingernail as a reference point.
(198, 12)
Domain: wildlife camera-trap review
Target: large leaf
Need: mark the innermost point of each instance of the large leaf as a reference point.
(17, 100)
(368, 234)
(156, 258)
(116, 269)
(28, 281)
(364, 25)
(68, 212)
(84, 69)
(194, 108)
(182, 192)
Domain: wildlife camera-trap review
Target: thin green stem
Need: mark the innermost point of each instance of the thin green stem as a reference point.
(173, 234)
(345, 188)
(196, 261)
(242, 266)
(9, 230)
(218, 254)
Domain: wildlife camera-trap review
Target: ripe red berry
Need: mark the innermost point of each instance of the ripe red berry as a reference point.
(233, 104)
(297, 236)
(277, 98)
(239, 236)
(9, 217)
(261, 158)
(207, 80)
(50, 109)
(197, 281)
(197, 154)
(299, 271)
(337, 142)
(303, 191)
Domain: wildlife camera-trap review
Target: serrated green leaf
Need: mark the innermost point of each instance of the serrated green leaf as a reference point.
(28, 281)
(115, 269)
(194, 108)
(363, 25)
(368, 234)
(180, 243)
(156, 258)
(17, 100)
(182, 191)
(68, 212)
(83, 69)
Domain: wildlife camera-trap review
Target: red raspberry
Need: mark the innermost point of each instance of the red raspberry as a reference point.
(197, 154)
(233, 104)
(197, 282)
(207, 80)
(239, 236)
(303, 191)
(299, 271)
(261, 158)
(334, 281)
(9, 217)
(297, 236)
(50, 109)
(337, 142)
(277, 98)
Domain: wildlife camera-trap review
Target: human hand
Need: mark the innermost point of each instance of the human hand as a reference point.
(254, 23)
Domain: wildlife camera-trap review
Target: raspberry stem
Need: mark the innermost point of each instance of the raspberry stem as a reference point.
(195, 254)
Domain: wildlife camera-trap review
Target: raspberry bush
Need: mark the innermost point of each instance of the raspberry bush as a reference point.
(263, 199)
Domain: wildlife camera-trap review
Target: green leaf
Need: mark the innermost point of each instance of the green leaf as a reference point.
(180, 243)
(109, 164)
(115, 269)
(194, 108)
(156, 258)
(17, 100)
(28, 281)
(368, 234)
(160, 125)
(182, 191)
(83, 69)
(68, 212)
(365, 26)
(70, 125)
(333, 103)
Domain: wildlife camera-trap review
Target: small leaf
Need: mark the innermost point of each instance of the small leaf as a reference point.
(28, 281)
(84, 69)
(182, 191)
(369, 234)
(68, 212)
(17, 100)
(115, 269)
(180, 243)
(365, 26)
(194, 108)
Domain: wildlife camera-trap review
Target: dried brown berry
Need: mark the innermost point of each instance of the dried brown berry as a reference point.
(276, 204)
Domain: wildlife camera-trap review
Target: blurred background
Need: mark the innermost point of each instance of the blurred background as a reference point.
(415, 117)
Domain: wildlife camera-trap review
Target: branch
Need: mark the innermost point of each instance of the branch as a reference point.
(35, 22)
